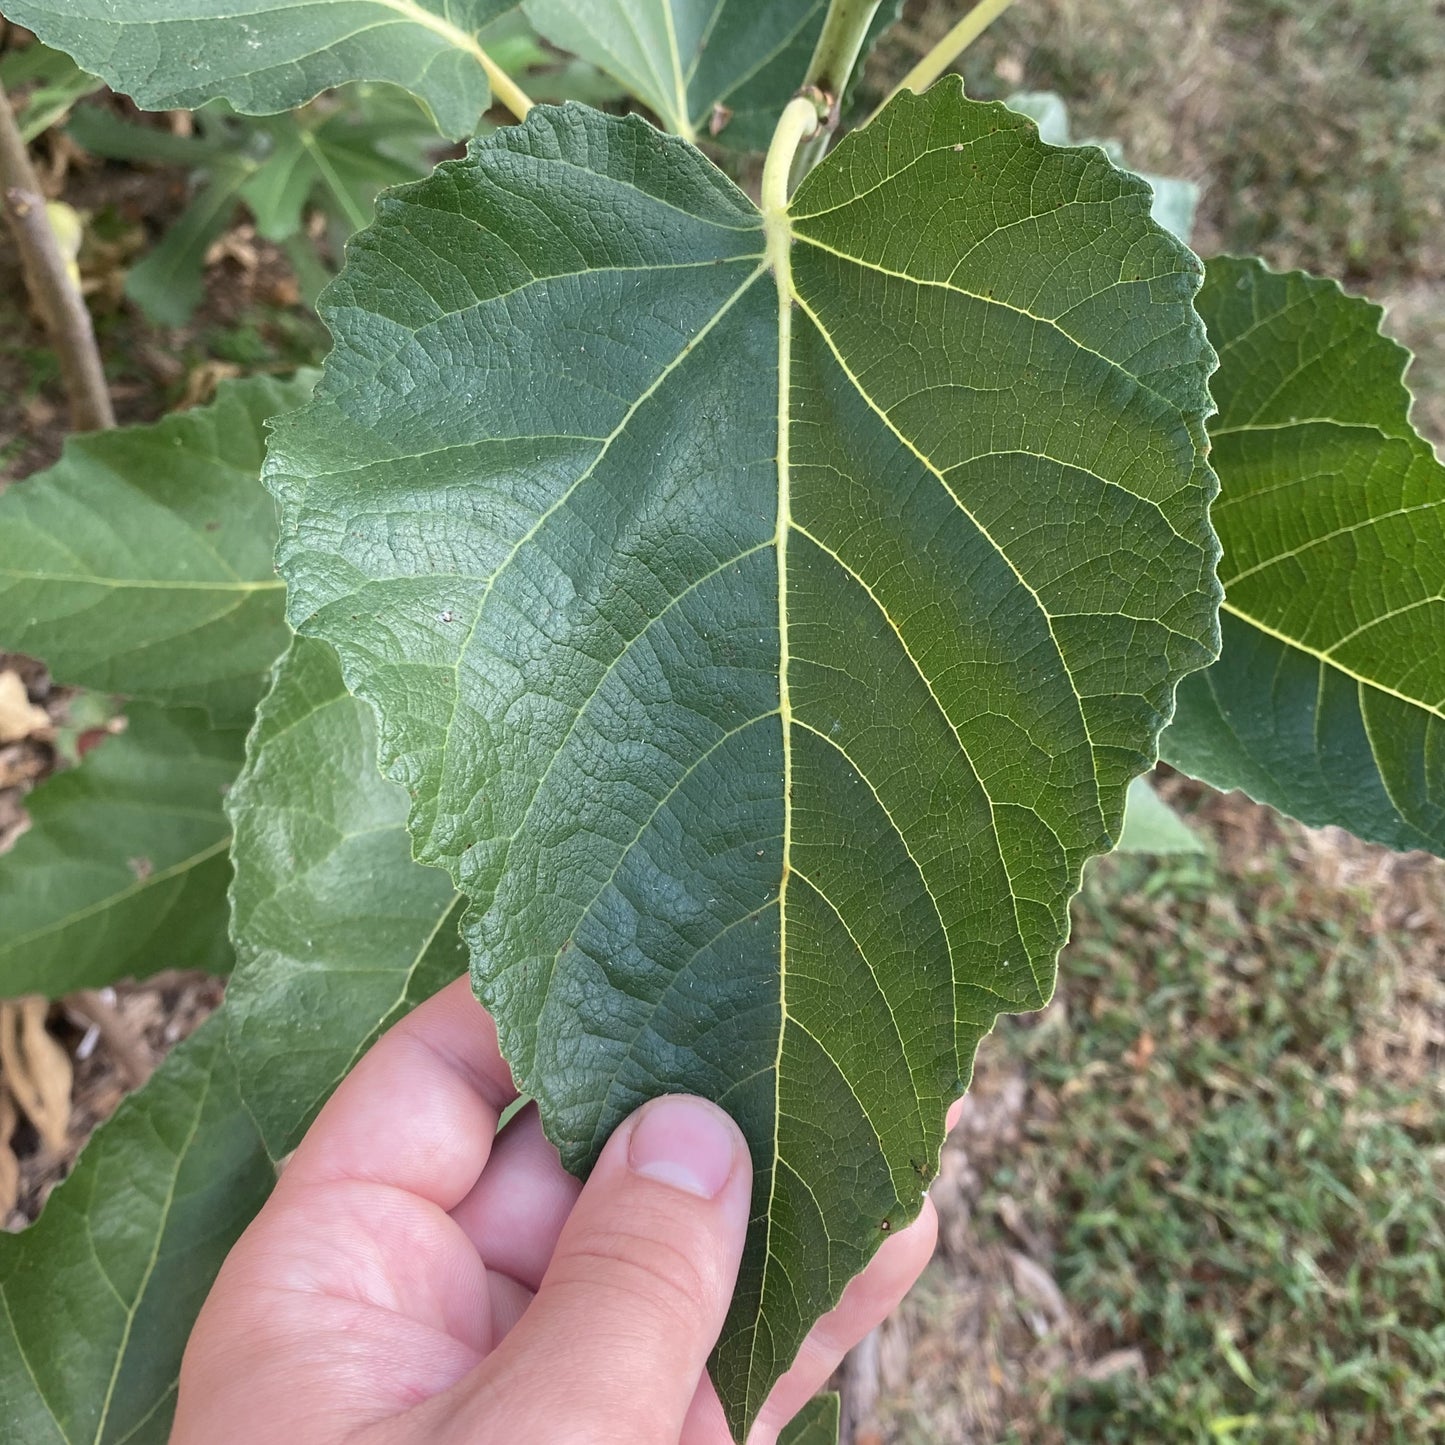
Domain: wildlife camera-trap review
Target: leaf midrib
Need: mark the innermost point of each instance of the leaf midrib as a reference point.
(155, 1253)
(140, 584)
(1434, 709)
(777, 234)
(114, 900)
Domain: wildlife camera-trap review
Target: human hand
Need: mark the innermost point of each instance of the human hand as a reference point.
(417, 1278)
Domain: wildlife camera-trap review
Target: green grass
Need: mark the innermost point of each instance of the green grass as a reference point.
(1244, 1197)
(1317, 127)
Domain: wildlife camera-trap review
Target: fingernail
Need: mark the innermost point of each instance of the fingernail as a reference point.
(683, 1142)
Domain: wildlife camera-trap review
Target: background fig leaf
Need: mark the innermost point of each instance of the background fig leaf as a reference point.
(98, 1296)
(51, 82)
(169, 281)
(142, 562)
(718, 70)
(271, 55)
(123, 870)
(766, 615)
(338, 933)
(817, 1424)
(377, 136)
(1175, 199)
(1152, 826)
(1328, 700)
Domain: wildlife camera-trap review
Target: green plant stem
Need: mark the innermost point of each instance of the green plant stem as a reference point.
(801, 119)
(937, 60)
(504, 88)
(834, 56)
(839, 44)
(56, 295)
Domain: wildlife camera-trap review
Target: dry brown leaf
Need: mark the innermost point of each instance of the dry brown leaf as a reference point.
(1114, 1364)
(203, 379)
(9, 1164)
(37, 1070)
(1036, 1286)
(23, 762)
(19, 717)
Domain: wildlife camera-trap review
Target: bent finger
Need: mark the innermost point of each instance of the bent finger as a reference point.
(614, 1344)
(515, 1211)
(419, 1111)
(868, 1300)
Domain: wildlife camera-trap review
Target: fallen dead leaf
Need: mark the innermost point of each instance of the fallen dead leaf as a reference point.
(19, 717)
(23, 762)
(9, 1164)
(1139, 1057)
(238, 245)
(203, 379)
(1034, 1284)
(1114, 1364)
(36, 1068)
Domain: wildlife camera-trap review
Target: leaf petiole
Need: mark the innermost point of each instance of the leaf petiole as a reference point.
(504, 89)
(799, 121)
(839, 44)
(937, 60)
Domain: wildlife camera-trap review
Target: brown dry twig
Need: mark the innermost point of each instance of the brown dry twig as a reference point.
(58, 298)
(37, 1069)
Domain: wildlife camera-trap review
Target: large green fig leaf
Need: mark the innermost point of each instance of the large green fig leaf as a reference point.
(123, 870)
(1328, 700)
(270, 55)
(142, 562)
(766, 614)
(98, 1296)
(338, 933)
(717, 69)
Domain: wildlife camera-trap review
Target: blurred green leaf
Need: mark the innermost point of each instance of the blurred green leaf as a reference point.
(123, 870)
(337, 159)
(141, 562)
(338, 933)
(103, 134)
(1152, 826)
(167, 283)
(49, 83)
(101, 1292)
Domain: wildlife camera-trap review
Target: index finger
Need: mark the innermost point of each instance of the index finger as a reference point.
(420, 1110)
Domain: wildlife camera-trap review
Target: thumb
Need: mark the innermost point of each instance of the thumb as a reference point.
(617, 1339)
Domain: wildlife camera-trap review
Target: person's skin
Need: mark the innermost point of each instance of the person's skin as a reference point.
(418, 1279)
